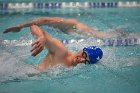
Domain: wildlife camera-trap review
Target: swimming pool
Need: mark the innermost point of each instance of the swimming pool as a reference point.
(118, 71)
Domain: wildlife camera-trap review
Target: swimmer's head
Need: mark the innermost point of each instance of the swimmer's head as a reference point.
(91, 54)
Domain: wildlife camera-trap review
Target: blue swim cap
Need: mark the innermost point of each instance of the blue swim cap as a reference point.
(94, 53)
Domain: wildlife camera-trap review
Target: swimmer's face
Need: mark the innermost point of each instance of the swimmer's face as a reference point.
(80, 57)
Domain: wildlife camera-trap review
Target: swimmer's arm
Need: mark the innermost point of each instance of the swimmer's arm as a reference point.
(45, 40)
(37, 21)
(89, 30)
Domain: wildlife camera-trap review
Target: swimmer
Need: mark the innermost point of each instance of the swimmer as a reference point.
(57, 53)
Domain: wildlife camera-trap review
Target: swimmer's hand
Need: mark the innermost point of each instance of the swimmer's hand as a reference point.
(38, 46)
(12, 29)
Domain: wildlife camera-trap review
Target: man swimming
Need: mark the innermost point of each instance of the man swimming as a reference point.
(57, 53)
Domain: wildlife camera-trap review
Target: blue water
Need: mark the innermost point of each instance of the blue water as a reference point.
(118, 71)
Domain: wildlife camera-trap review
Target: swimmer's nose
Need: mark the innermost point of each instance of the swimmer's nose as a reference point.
(82, 60)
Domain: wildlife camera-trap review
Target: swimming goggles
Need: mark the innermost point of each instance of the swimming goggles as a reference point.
(84, 55)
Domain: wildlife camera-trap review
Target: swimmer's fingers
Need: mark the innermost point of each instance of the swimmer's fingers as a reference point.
(37, 51)
(36, 46)
(36, 42)
(12, 29)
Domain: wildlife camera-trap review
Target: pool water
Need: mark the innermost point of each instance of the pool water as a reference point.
(117, 72)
